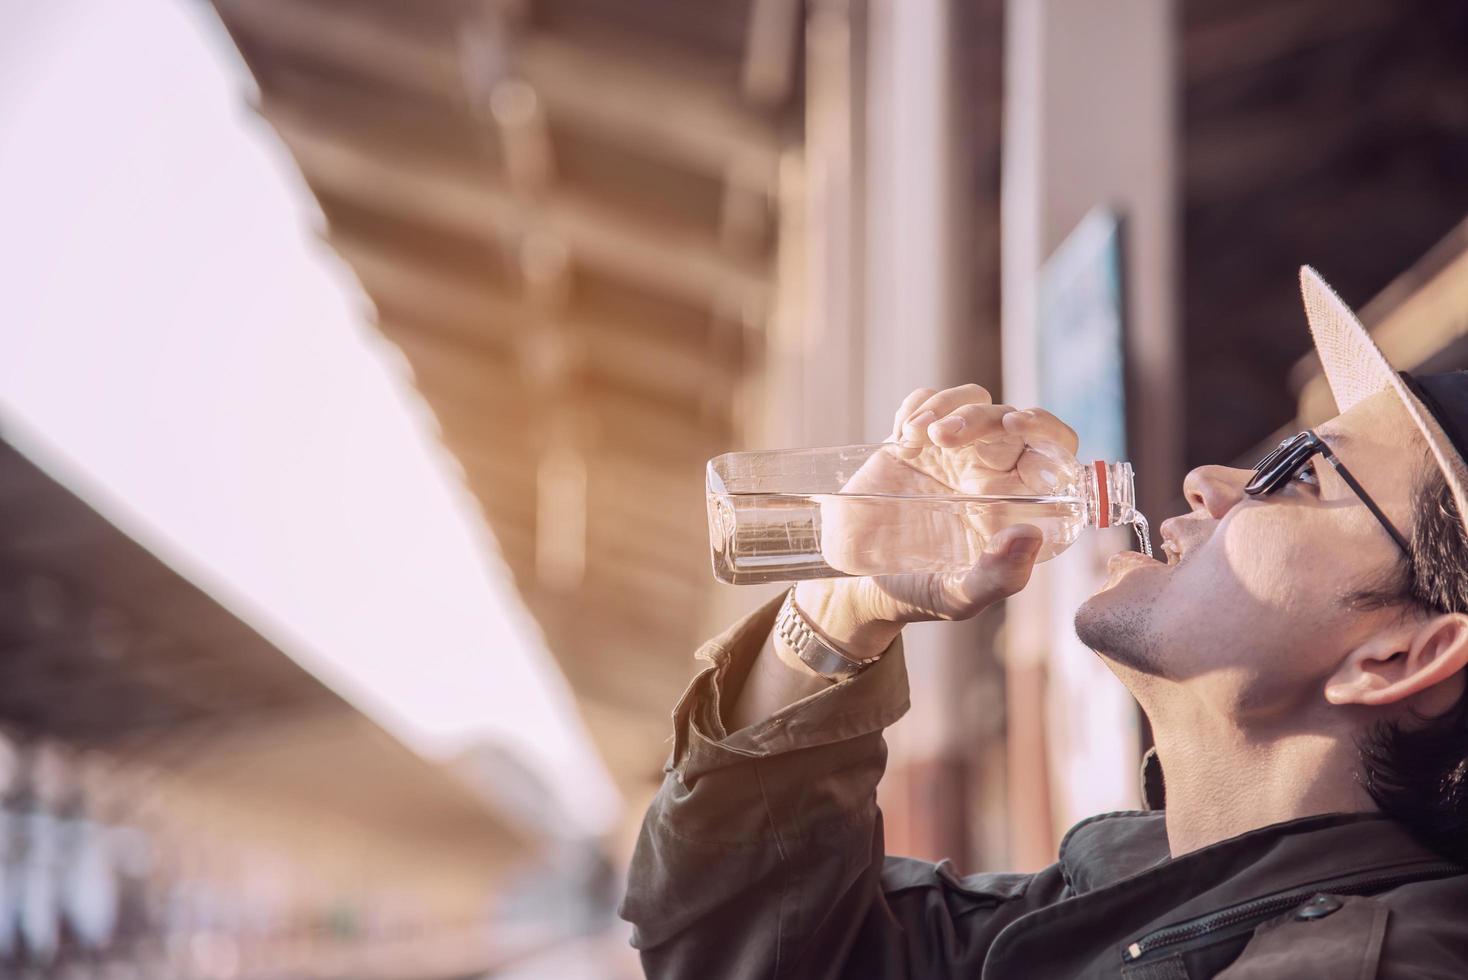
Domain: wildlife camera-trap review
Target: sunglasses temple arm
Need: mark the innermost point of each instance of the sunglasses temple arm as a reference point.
(1366, 499)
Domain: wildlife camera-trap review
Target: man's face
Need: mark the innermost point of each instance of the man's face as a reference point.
(1253, 616)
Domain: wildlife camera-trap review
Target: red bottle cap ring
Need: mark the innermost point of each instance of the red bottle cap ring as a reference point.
(1103, 496)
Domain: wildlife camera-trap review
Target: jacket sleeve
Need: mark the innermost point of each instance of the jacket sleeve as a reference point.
(761, 855)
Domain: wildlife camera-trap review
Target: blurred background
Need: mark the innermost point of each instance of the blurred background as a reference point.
(360, 360)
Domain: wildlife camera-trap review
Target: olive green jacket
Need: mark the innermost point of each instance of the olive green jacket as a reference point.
(762, 857)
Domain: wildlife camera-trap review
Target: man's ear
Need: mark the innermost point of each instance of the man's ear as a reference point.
(1397, 664)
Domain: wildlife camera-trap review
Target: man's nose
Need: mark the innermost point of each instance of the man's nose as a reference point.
(1215, 489)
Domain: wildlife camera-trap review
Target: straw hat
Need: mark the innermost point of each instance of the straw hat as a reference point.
(1356, 369)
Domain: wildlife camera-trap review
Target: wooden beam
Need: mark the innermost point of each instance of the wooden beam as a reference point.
(686, 116)
(472, 394)
(746, 213)
(389, 180)
(1242, 40)
(633, 498)
(524, 134)
(343, 38)
(695, 122)
(429, 125)
(452, 306)
(768, 73)
(1229, 156)
(638, 513)
(466, 432)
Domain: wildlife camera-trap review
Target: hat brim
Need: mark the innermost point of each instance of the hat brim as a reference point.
(1356, 369)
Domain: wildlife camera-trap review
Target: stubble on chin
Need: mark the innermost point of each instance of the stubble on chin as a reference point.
(1120, 632)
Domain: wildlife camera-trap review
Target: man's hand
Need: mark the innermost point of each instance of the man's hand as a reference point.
(861, 615)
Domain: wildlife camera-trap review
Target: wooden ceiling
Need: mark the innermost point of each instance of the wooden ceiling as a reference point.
(1315, 132)
(565, 215)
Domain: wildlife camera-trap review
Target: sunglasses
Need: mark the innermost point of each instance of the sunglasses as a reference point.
(1285, 462)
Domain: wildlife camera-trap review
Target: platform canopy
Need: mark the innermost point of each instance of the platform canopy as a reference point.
(566, 216)
(106, 649)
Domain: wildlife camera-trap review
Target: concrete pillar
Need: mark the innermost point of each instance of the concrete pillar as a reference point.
(876, 298)
(920, 197)
(1090, 107)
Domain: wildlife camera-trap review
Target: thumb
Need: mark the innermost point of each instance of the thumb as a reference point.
(1006, 564)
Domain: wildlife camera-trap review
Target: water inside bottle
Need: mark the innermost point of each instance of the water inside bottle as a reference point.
(784, 537)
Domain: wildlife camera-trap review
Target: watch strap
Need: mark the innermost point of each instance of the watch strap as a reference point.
(791, 626)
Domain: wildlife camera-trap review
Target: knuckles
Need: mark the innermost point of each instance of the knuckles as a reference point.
(958, 397)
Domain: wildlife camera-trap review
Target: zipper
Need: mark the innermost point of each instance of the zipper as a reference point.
(1263, 908)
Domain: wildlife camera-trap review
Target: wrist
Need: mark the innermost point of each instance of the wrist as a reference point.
(791, 660)
(837, 610)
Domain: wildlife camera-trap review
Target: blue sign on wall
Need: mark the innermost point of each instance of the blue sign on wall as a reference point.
(1080, 336)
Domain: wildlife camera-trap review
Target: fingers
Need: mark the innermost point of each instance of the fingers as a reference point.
(909, 408)
(1005, 566)
(945, 401)
(971, 423)
(1039, 470)
(966, 415)
(1000, 455)
(936, 406)
(1037, 425)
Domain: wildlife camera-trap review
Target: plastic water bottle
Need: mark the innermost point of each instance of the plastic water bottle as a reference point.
(891, 509)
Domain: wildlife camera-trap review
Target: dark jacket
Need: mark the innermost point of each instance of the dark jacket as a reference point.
(762, 857)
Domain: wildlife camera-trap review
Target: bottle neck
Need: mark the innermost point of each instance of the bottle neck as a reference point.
(1111, 494)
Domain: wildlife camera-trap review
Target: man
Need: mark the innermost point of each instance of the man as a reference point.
(1301, 660)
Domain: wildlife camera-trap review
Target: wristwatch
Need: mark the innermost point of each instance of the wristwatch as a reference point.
(814, 652)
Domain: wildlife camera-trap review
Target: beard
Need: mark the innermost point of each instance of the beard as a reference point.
(1120, 632)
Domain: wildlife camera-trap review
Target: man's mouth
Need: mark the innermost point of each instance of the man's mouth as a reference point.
(1129, 559)
(1120, 565)
(1124, 561)
(1178, 538)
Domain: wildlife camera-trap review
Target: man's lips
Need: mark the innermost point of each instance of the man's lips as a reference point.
(1179, 536)
(1121, 564)
(1129, 559)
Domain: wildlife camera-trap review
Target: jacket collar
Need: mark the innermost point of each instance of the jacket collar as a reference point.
(1122, 884)
(1102, 851)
